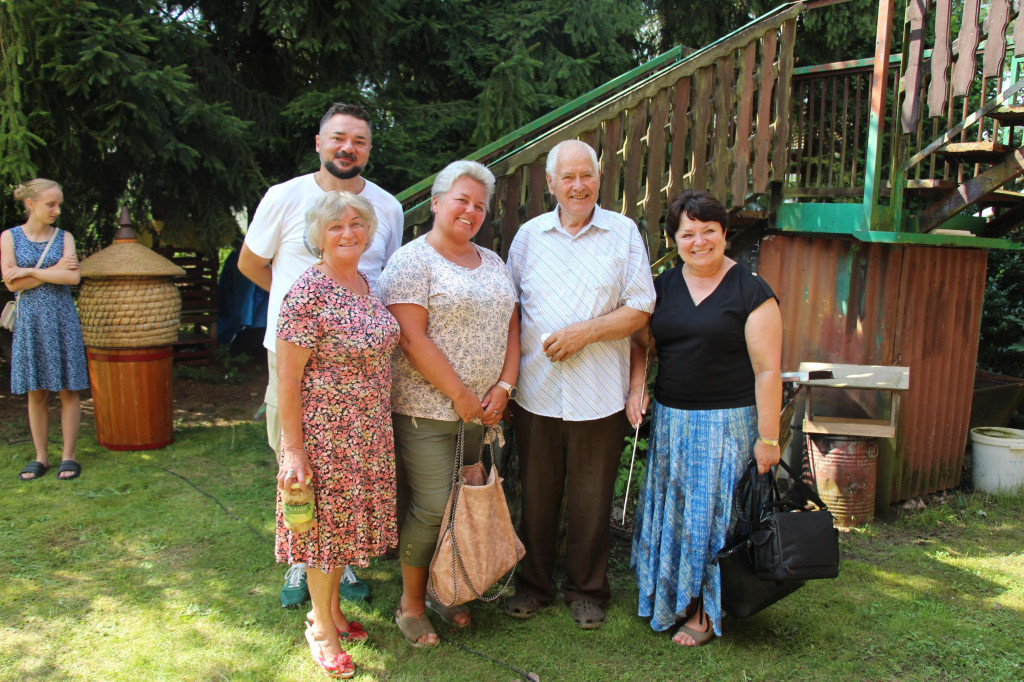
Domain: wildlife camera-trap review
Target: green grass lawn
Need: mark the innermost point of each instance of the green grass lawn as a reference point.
(130, 573)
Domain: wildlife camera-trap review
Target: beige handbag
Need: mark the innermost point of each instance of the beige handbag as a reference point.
(477, 544)
(10, 312)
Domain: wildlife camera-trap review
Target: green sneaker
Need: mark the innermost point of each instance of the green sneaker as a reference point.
(294, 591)
(352, 588)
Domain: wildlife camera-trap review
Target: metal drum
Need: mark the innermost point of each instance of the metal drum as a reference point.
(844, 470)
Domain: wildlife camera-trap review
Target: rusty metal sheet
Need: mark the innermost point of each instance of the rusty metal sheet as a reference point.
(846, 301)
(838, 298)
(937, 337)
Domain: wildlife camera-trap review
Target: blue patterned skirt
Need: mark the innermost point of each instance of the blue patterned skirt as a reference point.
(685, 512)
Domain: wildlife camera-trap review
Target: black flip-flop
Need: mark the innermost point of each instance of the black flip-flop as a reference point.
(69, 465)
(37, 469)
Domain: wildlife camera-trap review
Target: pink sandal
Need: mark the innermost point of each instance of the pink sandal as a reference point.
(340, 666)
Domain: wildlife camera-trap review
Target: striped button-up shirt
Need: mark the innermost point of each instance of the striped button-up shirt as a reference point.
(562, 279)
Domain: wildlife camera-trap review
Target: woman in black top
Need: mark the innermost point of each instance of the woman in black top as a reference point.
(717, 397)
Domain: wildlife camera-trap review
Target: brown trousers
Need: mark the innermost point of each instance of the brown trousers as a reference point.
(585, 455)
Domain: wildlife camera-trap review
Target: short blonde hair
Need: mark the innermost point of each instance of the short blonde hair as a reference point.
(331, 206)
(28, 191)
(462, 169)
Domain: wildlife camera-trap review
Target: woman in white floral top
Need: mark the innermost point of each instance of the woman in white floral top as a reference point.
(459, 362)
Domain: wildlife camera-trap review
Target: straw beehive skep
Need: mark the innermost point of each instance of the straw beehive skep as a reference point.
(126, 259)
(127, 299)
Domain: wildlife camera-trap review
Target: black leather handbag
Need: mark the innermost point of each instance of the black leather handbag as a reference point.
(744, 593)
(790, 542)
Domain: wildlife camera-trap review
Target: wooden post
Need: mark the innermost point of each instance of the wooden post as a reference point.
(876, 119)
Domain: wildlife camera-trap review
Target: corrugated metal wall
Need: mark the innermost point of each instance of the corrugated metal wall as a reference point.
(941, 295)
(853, 302)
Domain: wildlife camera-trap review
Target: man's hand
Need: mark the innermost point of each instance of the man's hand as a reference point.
(567, 341)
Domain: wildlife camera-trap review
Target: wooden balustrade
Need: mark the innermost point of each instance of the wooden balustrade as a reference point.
(828, 141)
(717, 119)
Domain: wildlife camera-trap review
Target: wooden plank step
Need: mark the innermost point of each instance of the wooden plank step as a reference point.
(745, 218)
(1002, 197)
(1008, 115)
(986, 151)
(929, 188)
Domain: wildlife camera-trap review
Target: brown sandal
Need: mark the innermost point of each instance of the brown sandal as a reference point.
(414, 628)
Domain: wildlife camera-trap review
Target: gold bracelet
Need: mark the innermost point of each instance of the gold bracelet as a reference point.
(772, 443)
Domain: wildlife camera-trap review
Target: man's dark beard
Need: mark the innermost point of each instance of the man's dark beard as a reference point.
(341, 173)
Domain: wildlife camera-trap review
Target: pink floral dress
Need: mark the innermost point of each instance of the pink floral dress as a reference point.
(346, 422)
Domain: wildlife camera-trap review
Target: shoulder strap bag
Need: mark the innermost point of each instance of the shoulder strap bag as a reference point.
(477, 545)
(10, 311)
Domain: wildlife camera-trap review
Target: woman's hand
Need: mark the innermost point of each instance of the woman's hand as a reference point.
(14, 273)
(494, 405)
(67, 262)
(636, 405)
(766, 455)
(467, 405)
(294, 467)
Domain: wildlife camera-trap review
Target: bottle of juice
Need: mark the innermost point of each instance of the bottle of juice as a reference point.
(298, 507)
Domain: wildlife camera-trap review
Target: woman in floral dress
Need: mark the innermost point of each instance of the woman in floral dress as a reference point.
(334, 344)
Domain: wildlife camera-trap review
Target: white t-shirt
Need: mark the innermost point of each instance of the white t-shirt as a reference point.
(276, 233)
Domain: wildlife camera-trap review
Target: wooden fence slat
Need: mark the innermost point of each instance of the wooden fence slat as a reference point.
(844, 130)
(633, 151)
(720, 158)
(741, 150)
(488, 235)
(592, 138)
(780, 146)
(701, 121)
(967, 46)
(1018, 32)
(510, 201)
(832, 131)
(914, 51)
(995, 41)
(536, 184)
(809, 154)
(939, 87)
(611, 161)
(680, 136)
(821, 160)
(802, 141)
(656, 141)
(856, 129)
(762, 136)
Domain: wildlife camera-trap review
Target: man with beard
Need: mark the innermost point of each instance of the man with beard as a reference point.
(274, 253)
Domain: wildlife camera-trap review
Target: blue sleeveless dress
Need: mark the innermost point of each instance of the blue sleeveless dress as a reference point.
(47, 351)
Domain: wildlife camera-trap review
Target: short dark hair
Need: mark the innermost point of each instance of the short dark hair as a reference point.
(696, 204)
(342, 109)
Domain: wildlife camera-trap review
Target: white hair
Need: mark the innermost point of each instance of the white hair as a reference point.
(551, 167)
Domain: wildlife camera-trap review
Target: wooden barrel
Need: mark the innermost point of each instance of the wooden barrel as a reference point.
(133, 397)
(845, 470)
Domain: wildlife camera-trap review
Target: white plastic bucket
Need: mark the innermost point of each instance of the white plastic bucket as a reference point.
(998, 459)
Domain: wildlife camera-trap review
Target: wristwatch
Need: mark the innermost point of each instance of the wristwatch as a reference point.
(509, 388)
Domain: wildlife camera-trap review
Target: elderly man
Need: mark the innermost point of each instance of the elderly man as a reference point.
(584, 284)
(274, 253)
